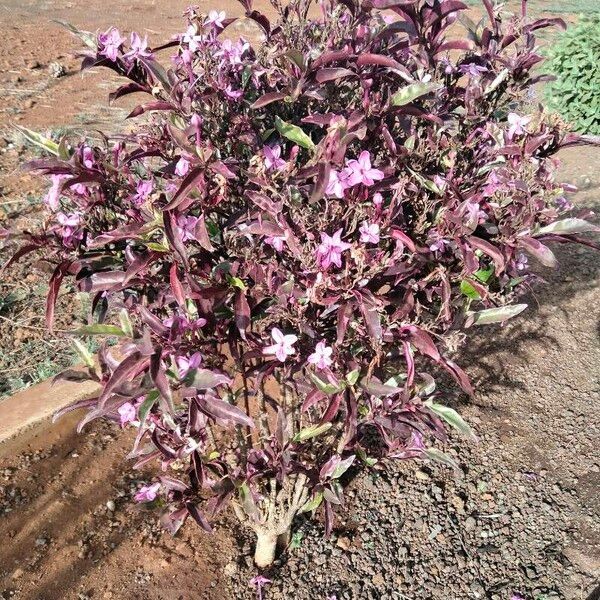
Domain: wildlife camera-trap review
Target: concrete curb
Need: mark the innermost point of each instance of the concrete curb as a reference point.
(33, 407)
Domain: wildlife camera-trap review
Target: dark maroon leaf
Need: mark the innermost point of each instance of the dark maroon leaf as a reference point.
(198, 517)
(53, 289)
(268, 98)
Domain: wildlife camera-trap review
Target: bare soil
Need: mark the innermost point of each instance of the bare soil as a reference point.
(523, 517)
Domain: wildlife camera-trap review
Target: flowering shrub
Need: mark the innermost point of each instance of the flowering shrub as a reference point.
(296, 240)
(573, 62)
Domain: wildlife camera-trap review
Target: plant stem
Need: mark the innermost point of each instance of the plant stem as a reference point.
(266, 546)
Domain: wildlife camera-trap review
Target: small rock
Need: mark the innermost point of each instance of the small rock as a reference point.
(422, 475)
(56, 70)
(343, 543)
(110, 505)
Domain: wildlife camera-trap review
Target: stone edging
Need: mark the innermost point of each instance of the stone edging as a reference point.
(34, 406)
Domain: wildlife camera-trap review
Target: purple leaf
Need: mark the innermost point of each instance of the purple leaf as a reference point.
(537, 249)
(219, 409)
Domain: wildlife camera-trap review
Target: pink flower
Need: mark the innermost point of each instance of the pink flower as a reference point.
(362, 172)
(88, 157)
(127, 413)
(232, 51)
(330, 249)
(233, 94)
(192, 39)
(182, 167)
(369, 233)
(110, 42)
(338, 183)
(273, 158)
(80, 189)
(215, 18)
(563, 204)
(321, 357)
(184, 323)
(187, 227)
(51, 199)
(277, 241)
(186, 57)
(493, 184)
(282, 348)
(472, 214)
(521, 262)
(378, 200)
(438, 245)
(69, 222)
(517, 125)
(185, 364)
(139, 47)
(259, 582)
(147, 493)
(196, 123)
(473, 69)
(143, 190)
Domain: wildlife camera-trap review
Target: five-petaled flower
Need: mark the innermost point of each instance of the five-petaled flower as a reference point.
(330, 249)
(142, 191)
(233, 51)
(436, 242)
(283, 346)
(473, 69)
(338, 183)
(139, 47)
(147, 493)
(127, 413)
(185, 364)
(184, 323)
(369, 233)
(321, 357)
(110, 42)
(517, 125)
(192, 39)
(70, 223)
(273, 158)
(216, 18)
(361, 170)
(186, 226)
